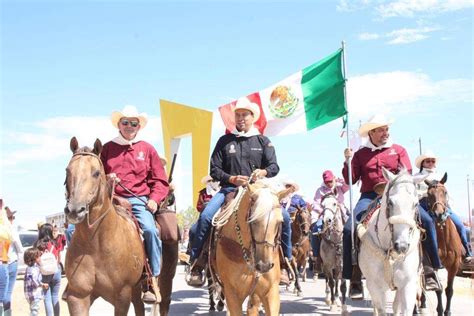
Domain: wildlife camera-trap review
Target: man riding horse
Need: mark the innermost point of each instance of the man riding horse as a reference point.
(427, 165)
(136, 166)
(236, 156)
(330, 185)
(367, 163)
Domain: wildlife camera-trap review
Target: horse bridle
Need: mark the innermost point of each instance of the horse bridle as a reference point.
(431, 207)
(99, 219)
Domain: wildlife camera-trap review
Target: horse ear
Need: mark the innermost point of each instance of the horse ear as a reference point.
(387, 174)
(444, 179)
(73, 144)
(97, 147)
(283, 193)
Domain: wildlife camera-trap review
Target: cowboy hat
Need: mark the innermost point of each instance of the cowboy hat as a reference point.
(378, 120)
(129, 111)
(206, 179)
(245, 104)
(292, 183)
(420, 158)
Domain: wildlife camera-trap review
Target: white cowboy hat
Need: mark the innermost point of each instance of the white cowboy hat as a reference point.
(245, 104)
(420, 158)
(206, 179)
(375, 121)
(291, 182)
(129, 111)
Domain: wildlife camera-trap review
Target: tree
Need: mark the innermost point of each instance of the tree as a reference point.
(187, 217)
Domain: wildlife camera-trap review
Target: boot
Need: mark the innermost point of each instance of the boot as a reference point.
(318, 263)
(356, 289)
(195, 277)
(152, 295)
(431, 279)
(284, 278)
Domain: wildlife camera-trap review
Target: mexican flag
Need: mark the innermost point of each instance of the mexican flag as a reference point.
(305, 100)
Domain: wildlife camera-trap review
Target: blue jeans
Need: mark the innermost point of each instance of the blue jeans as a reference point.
(69, 231)
(7, 298)
(35, 307)
(430, 243)
(315, 239)
(461, 231)
(360, 208)
(3, 280)
(200, 231)
(150, 233)
(51, 295)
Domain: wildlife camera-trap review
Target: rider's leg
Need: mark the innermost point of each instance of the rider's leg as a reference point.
(203, 224)
(361, 206)
(153, 245)
(430, 244)
(286, 234)
(316, 244)
(461, 231)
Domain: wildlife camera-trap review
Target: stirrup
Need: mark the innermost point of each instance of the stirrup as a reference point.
(195, 277)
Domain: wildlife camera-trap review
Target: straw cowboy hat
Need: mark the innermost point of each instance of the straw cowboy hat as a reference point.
(245, 104)
(129, 111)
(292, 183)
(206, 179)
(420, 158)
(375, 121)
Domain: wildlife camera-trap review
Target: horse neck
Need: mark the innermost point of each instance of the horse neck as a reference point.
(379, 227)
(242, 219)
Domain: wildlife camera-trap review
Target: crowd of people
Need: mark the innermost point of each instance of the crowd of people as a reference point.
(136, 172)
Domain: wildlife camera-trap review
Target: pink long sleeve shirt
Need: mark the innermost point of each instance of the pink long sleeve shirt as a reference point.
(367, 165)
(139, 168)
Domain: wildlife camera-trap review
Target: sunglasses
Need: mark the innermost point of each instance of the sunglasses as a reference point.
(132, 123)
(430, 160)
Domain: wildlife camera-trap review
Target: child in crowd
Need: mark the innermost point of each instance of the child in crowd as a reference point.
(33, 284)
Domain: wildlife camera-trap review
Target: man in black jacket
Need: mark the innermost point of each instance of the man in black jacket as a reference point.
(236, 156)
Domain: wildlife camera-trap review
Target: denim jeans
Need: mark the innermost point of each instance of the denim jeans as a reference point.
(69, 231)
(286, 234)
(35, 307)
(3, 281)
(150, 233)
(430, 243)
(315, 239)
(461, 231)
(12, 272)
(51, 295)
(360, 208)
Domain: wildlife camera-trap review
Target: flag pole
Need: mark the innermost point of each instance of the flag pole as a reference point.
(349, 161)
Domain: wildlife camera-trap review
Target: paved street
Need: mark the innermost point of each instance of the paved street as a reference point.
(191, 301)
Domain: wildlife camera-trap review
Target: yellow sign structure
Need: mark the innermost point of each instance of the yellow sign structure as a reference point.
(179, 121)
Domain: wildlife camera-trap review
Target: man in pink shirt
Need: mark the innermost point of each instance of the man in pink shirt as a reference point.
(330, 185)
(367, 163)
(136, 165)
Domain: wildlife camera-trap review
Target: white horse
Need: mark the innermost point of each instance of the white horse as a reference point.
(389, 252)
(331, 252)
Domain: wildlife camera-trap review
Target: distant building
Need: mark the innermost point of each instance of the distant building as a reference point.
(57, 219)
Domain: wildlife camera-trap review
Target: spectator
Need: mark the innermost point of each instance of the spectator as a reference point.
(15, 251)
(34, 287)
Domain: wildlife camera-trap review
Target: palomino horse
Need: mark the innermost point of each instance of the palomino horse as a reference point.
(449, 244)
(247, 254)
(389, 250)
(106, 256)
(331, 251)
(300, 230)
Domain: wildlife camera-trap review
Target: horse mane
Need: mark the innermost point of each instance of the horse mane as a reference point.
(263, 204)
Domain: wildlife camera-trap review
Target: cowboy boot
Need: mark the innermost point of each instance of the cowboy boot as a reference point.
(431, 280)
(152, 295)
(356, 289)
(195, 277)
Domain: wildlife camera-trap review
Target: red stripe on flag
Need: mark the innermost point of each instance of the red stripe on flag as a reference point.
(228, 118)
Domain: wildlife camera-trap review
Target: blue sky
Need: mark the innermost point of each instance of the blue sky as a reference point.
(65, 66)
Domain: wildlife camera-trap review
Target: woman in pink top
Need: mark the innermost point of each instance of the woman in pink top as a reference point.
(330, 185)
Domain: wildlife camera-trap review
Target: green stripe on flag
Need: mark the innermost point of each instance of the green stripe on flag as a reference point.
(323, 90)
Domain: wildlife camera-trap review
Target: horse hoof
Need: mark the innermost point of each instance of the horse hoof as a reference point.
(299, 293)
(447, 313)
(220, 307)
(345, 310)
(337, 302)
(327, 301)
(333, 308)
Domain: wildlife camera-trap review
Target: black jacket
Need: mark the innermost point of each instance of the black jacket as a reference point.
(234, 156)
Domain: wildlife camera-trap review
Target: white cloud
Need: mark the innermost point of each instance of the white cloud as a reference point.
(410, 8)
(404, 92)
(405, 36)
(368, 36)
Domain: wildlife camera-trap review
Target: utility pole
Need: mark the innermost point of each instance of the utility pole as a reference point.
(469, 206)
(419, 143)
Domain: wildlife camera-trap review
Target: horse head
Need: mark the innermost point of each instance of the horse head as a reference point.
(265, 219)
(85, 180)
(437, 196)
(303, 221)
(400, 203)
(332, 217)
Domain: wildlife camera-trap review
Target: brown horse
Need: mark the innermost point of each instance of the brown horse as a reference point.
(300, 230)
(449, 243)
(106, 256)
(247, 254)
